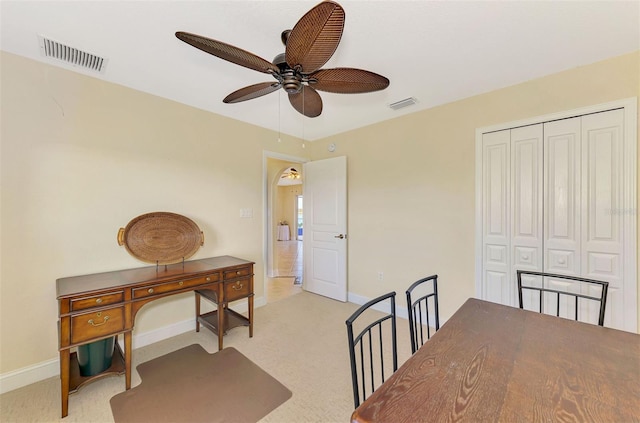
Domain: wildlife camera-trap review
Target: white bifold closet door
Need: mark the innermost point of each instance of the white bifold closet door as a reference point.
(551, 196)
(512, 209)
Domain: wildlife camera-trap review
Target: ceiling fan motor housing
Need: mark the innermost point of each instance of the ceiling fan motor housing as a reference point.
(291, 81)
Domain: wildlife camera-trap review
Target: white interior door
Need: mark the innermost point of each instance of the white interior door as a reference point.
(584, 192)
(496, 217)
(565, 205)
(526, 202)
(602, 243)
(562, 197)
(511, 209)
(563, 211)
(325, 227)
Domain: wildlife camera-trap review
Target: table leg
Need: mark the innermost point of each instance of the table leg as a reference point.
(64, 380)
(221, 315)
(197, 311)
(251, 315)
(127, 359)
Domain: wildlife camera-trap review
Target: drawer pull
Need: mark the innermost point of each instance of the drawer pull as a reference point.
(104, 320)
(238, 286)
(180, 283)
(150, 290)
(238, 272)
(99, 300)
(208, 279)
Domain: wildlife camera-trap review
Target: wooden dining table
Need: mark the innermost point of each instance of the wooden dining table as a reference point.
(495, 363)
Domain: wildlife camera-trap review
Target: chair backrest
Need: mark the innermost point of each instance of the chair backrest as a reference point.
(566, 296)
(372, 338)
(422, 310)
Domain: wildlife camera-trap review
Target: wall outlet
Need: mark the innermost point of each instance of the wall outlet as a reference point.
(380, 276)
(246, 212)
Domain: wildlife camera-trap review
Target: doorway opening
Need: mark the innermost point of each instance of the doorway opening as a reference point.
(299, 217)
(284, 254)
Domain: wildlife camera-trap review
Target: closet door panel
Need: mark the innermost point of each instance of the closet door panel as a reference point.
(562, 196)
(496, 217)
(602, 167)
(526, 198)
(526, 201)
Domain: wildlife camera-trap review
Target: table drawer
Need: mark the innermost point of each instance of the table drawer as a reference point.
(237, 289)
(97, 300)
(93, 325)
(237, 273)
(166, 287)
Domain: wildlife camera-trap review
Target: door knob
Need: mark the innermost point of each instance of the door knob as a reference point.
(340, 236)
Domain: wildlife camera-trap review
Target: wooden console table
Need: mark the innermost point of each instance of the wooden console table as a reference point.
(101, 305)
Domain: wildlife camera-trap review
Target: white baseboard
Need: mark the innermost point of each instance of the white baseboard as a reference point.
(28, 375)
(50, 368)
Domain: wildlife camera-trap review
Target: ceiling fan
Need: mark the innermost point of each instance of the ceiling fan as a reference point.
(291, 173)
(308, 46)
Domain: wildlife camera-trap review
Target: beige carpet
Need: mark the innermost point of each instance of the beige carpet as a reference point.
(191, 385)
(301, 341)
(281, 287)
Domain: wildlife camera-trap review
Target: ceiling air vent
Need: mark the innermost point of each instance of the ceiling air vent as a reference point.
(403, 103)
(71, 55)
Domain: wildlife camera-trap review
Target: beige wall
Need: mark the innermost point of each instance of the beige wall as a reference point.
(80, 159)
(411, 180)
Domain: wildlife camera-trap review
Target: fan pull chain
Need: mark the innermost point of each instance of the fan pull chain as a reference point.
(303, 115)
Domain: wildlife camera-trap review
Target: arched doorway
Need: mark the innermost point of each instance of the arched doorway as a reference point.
(284, 258)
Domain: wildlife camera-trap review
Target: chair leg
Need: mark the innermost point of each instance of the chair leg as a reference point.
(197, 312)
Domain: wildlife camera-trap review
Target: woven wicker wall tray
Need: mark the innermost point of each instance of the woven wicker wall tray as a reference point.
(161, 238)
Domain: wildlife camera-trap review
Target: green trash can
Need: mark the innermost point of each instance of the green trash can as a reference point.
(96, 357)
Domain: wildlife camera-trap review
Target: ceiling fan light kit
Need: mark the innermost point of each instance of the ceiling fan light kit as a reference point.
(308, 46)
(290, 173)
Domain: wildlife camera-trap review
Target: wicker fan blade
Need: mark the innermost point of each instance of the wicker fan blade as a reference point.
(348, 81)
(228, 52)
(315, 37)
(307, 102)
(252, 91)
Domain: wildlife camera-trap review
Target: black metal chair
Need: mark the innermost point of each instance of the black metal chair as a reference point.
(423, 310)
(368, 348)
(572, 297)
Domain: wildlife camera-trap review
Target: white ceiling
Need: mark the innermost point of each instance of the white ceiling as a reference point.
(435, 51)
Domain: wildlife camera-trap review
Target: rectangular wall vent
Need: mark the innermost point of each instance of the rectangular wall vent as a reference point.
(403, 103)
(71, 55)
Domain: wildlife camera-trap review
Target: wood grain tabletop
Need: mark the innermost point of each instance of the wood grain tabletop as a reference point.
(495, 363)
